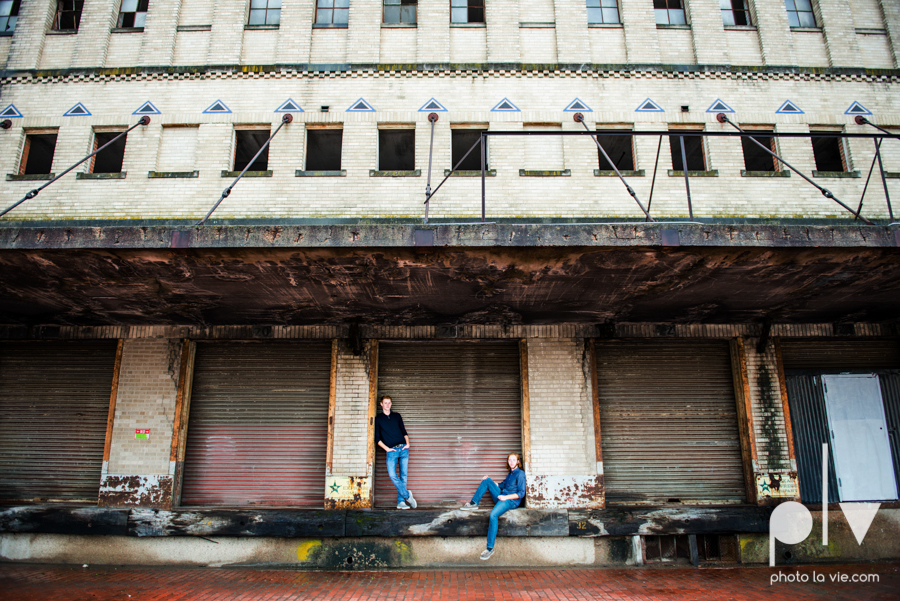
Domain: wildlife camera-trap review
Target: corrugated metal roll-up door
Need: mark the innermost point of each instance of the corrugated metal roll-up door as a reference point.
(54, 405)
(258, 424)
(668, 420)
(805, 361)
(461, 403)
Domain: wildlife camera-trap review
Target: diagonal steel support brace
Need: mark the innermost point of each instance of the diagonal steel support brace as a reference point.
(145, 120)
(432, 117)
(580, 119)
(860, 120)
(285, 119)
(722, 118)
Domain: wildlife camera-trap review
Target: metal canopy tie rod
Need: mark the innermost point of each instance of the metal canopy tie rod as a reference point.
(655, 166)
(285, 119)
(432, 117)
(687, 184)
(722, 118)
(142, 121)
(580, 119)
(456, 167)
(860, 120)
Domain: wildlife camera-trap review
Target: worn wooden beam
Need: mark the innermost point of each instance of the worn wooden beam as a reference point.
(595, 406)
(674, 520)
(332, 398)
(744, 416)
(526, 406)
(47, 519)
(516, 522)
(183, 408)
(370, 430)
(236, 522)
(113, 395)
(786, 409)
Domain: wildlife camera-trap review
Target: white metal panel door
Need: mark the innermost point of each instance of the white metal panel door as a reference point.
(862, 452)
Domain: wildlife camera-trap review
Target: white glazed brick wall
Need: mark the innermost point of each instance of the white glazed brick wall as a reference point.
(351, 413)
(148, 385)
(328, 46)
(608, 45)
(708, 32)
(562, 426)
(767, 408)
(158, 44)
(744, 47)
(676, 46)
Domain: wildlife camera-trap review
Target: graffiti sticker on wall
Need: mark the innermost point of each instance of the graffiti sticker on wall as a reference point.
(777, 485)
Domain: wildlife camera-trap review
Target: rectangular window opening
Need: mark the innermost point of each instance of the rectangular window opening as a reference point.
(332, 12)
(669, 12)
(110, 159)
(603, 11)
(400, 11)
(68, 15)
(666, 549)
(396, 149)
(466, 11)
(829, 154)
(264, 12)
(693, 147)
(461, 140)
(800, 13)
(619, 148)
(735, 12)
(133, 13)
(9, 14)
(323, 149)
(247, 143)
(755, 158)
(37, 154)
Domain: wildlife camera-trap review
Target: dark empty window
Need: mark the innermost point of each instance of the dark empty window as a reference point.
(467, 11)
(829, 153)
(133, 13)
(332, 12)
(323, 149)
(755, 158)
(37, 154)
(800, 13)
(68, 14)
(693, 148)
(619, 149)
(603, 11)
(9, 13)
(669, 12)
(461, 140)
(108, 160)
(247, 143)
(400, 11)
(396, 149)
(265, 12)
(735, 12)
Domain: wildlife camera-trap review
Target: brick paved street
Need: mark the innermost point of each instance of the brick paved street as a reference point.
(73, 583)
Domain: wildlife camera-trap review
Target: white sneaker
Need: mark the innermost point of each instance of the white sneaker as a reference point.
(410, 500)
(470, 506)
(402, 505)
(486, 554)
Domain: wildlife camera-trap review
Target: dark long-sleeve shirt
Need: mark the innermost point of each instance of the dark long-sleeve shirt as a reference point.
(389, 429)
(514, 484)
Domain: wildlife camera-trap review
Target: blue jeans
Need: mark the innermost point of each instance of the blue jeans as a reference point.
(398, 455)
(501, 507)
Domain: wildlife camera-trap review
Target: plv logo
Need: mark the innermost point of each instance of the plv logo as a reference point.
(791, 522)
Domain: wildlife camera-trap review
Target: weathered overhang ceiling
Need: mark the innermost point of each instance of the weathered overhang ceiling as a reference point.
(159, 276)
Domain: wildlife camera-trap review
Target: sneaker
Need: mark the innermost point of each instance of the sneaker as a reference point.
(486, 554)
(470, 506)
(410, 500)
(402, 505)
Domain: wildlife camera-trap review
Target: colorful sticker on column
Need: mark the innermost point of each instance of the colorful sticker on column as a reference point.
(142, 433)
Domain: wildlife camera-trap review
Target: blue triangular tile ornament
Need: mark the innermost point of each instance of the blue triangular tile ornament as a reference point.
(789, 108)
(855, 109)
(77, 111)
(505, 106)
(217, 107)
(648, 106)
(360, 106)
(147, 109)
(10, 112)
(578, 105)
(289, 106)
(719, 107)
(433, 106)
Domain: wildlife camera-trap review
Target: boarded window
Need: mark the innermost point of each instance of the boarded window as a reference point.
(396, 149)
(133, 13)
(461, 141)
(755, 158)
(108, 160)
(323, 149)
(247, 143)
(467, 11)
(669, 12)
(619, 148)
(400, 11)
(829, 153)
(37, 154)
(177, 149)
(264, 12)
(332, 12)
(693, 148)
(68, 15)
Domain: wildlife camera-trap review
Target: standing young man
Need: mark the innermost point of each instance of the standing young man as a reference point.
(390, 435)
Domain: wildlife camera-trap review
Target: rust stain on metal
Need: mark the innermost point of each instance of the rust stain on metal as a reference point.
(136, 491)
(566, 491)
(348, 492)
